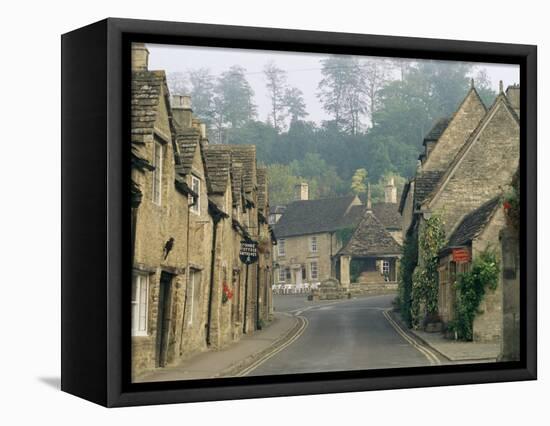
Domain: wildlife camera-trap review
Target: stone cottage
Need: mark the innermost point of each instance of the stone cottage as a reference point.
(476, 232)
(469, 159)
(310, 234)
(192, 205)
(159, 220)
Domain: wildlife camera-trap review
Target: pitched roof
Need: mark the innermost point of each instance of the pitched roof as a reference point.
(218, 166)
(437, 129)
(187, 140)
(246, 155)
(146, 90)
(473, 223)
(388, 214)
(370, 238)
(313, 216)
(425, 183)
(501, 98)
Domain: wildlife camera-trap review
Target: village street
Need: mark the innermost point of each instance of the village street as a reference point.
(345, 335)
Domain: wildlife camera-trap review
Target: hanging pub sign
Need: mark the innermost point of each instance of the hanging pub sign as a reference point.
(249, 252)
(461, 255)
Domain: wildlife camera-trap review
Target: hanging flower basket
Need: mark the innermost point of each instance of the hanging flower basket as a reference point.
(227, 293)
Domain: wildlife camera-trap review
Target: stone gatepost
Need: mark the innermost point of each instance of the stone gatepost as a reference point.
(345, 271)
(510, 349)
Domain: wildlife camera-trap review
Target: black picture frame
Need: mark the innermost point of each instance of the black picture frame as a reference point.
(95, 212)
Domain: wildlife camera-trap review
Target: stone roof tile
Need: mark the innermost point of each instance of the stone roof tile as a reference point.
(313, 216)
(473, 223)
(370, 238)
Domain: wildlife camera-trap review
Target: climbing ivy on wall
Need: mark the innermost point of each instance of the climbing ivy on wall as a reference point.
(425, 280)
(470, 289)
(409, 261)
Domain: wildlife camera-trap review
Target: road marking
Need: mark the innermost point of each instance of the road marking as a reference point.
(432, 358)
(267, 356)
(299, 311)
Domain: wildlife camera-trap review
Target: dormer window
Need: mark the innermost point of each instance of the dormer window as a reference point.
(196, 187)
(157, 173)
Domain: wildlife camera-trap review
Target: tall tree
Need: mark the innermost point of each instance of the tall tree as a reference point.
(177, 83)
(483, 85)
(233, 102)
(342, 91)
(295, 103)
(202, 94)
(377, 73)
(276, 86)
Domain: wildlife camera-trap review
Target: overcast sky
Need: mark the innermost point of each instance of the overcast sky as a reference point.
(303, 70)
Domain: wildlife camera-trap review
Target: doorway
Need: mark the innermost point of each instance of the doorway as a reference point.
(164, 317)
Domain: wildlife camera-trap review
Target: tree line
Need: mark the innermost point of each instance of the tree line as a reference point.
(379, 109)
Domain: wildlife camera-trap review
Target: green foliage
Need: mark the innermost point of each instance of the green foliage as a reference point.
(202, 95)
(342, 92)
(359, 182)
(425, 277)
(511, 203)
(234, 103)
(343, 235)
(378, 189)
(409, 260)
(354, 92)
(470, 289)
(322, 179)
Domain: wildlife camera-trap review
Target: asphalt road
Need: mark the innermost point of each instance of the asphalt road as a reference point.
(347, 335)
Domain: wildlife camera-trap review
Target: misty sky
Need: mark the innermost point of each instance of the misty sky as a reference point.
(303, 70)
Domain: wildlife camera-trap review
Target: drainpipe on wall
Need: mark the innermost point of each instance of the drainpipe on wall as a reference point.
(211, 287)
(187, 273)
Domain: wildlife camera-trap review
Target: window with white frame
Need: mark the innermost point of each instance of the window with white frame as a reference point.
(196, 187)
(281, 246)
(157, 172)
(140, 297)
(313, 244)
(282, 274)
(313, 271)
(385, 267)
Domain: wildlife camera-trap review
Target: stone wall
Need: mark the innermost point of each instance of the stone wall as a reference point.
(464, 121)
(510, 343)
(488, 322)
(485, 169)
(297, 251)
(155, 225)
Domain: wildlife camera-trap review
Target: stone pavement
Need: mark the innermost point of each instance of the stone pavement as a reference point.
(456, 351)
(230, 360)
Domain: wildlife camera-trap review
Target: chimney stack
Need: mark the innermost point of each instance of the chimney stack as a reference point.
(390, 192)
(140, 57)
(182, 112)
(301, 192)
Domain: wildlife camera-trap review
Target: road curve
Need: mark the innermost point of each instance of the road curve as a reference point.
(349, 335)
